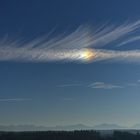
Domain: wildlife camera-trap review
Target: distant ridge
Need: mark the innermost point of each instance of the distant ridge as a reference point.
(104, 126)
(42, 128)
(136, 126)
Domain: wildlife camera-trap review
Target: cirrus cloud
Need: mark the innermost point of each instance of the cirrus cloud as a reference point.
(102, 85)
(14, 99)
(82, 45)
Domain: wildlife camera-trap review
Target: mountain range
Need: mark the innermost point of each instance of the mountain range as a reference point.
(67, 127)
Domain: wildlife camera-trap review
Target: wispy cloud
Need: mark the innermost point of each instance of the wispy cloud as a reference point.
(132, 84)
(102, 85)
(14, 99)
(121, 56)
(82, 45)
(130, 40)
(70, 85)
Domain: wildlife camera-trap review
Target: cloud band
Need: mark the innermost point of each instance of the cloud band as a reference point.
(81, 45)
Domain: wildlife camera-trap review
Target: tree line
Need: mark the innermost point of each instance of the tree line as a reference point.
(68, 135)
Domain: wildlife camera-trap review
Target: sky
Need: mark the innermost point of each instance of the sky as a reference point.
(69, 62)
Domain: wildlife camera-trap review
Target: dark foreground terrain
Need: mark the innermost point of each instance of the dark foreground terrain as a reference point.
(68, 135)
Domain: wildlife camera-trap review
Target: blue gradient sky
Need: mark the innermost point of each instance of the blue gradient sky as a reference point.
(56, 93)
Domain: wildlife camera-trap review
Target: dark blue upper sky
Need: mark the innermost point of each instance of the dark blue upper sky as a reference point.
(54, 93)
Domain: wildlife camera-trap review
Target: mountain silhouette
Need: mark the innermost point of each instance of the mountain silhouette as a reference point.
(59, 127)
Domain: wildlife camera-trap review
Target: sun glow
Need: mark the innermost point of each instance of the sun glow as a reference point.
(87, 55)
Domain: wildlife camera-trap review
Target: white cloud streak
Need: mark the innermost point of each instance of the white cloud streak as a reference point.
(74, 46)
(14, 99)
(130, 40)
(95, 85)
(102, 85)
(121, 56)
(69, 85)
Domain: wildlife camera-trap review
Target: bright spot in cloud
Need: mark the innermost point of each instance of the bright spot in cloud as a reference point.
(87, 55)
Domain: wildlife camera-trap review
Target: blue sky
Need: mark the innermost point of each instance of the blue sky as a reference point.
(36, 90)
